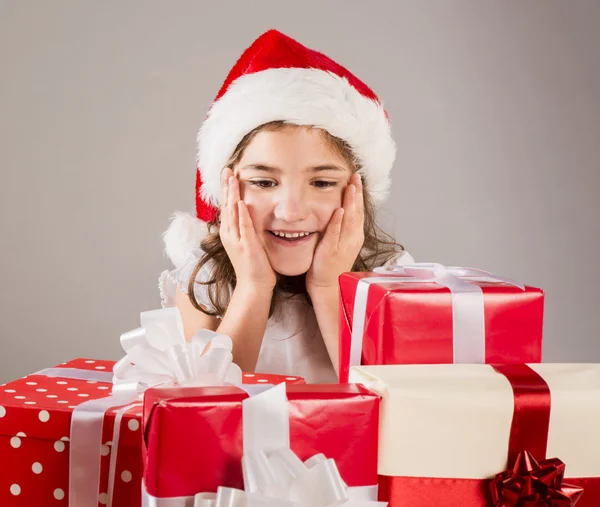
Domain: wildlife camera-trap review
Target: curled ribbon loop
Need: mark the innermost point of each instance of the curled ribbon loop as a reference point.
(157, 352)
(534, 484)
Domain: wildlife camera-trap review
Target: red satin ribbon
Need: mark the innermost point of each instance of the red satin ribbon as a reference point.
(438, 492)
(531, 416)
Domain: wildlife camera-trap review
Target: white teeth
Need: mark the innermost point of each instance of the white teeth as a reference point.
(290, 234)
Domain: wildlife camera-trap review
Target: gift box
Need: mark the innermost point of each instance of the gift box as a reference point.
(36, 415)
(483, 435)
(427, 314)
(195, 437)
(35, 431)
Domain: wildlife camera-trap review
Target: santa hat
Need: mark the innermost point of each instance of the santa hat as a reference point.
(279, 79)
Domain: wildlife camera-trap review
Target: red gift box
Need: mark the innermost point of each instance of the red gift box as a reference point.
(411, 322)
(35, 425)
(193, 436)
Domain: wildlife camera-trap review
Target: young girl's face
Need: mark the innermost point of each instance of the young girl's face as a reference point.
(292, 181)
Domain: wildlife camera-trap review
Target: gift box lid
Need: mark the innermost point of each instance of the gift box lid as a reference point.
(39, 406)
(454, 421)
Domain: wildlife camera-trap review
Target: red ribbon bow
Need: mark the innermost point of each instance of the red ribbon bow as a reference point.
(533, 484)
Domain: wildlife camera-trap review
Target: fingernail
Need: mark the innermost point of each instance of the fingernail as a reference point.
(353, 190)
(231, 180)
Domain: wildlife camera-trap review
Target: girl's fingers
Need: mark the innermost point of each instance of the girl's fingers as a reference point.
(334, 228)
(360, 200)
(224, 200)
(234, 197)
(247, 233)
(349, 206)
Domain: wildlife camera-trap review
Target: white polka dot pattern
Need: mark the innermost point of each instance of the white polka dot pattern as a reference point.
(37, 468)
(15, 489)
(59, 494)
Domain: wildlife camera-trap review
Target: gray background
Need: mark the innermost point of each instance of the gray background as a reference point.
(495, 107)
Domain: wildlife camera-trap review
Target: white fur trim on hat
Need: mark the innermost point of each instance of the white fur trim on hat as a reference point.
(183, 236)
(302, 97)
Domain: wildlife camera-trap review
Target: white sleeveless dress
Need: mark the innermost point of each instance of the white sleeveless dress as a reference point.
(292, 344)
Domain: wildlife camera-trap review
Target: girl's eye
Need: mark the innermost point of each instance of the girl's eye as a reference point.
(262, 183)
(271, 184)
(325, 184)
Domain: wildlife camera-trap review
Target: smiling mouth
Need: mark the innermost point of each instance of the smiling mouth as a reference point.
(291, 237)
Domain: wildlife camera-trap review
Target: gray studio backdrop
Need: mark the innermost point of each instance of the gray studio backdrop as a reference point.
(495, 107)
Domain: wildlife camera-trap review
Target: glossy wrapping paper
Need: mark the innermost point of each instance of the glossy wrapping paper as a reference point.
(193, 436)
(459, 435)
(412, 323)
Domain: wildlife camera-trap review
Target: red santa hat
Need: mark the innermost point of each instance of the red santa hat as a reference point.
(279, 79)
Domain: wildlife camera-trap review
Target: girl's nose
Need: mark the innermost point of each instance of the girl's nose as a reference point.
(291, 206)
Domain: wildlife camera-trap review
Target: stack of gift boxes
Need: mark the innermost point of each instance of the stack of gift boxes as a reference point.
(443, 401)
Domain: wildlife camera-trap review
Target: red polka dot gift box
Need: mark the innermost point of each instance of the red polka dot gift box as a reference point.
(36, 416)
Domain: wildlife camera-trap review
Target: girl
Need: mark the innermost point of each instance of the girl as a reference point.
(293, 157)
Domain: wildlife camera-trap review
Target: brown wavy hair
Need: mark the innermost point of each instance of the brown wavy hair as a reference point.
(378, 247)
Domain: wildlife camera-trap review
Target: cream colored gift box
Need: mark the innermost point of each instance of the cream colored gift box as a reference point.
(446, 428)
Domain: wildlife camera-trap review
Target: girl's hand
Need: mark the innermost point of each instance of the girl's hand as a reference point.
(248, 257)
(343, 239)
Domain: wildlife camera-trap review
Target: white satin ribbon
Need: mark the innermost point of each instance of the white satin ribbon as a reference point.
(156, 353)
(77, 374)
(85, 444)
(468, 317)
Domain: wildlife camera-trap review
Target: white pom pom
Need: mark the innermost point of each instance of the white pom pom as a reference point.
(182, 236)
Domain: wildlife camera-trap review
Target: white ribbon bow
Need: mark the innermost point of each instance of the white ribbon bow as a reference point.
(278, 478)
(157, 352)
